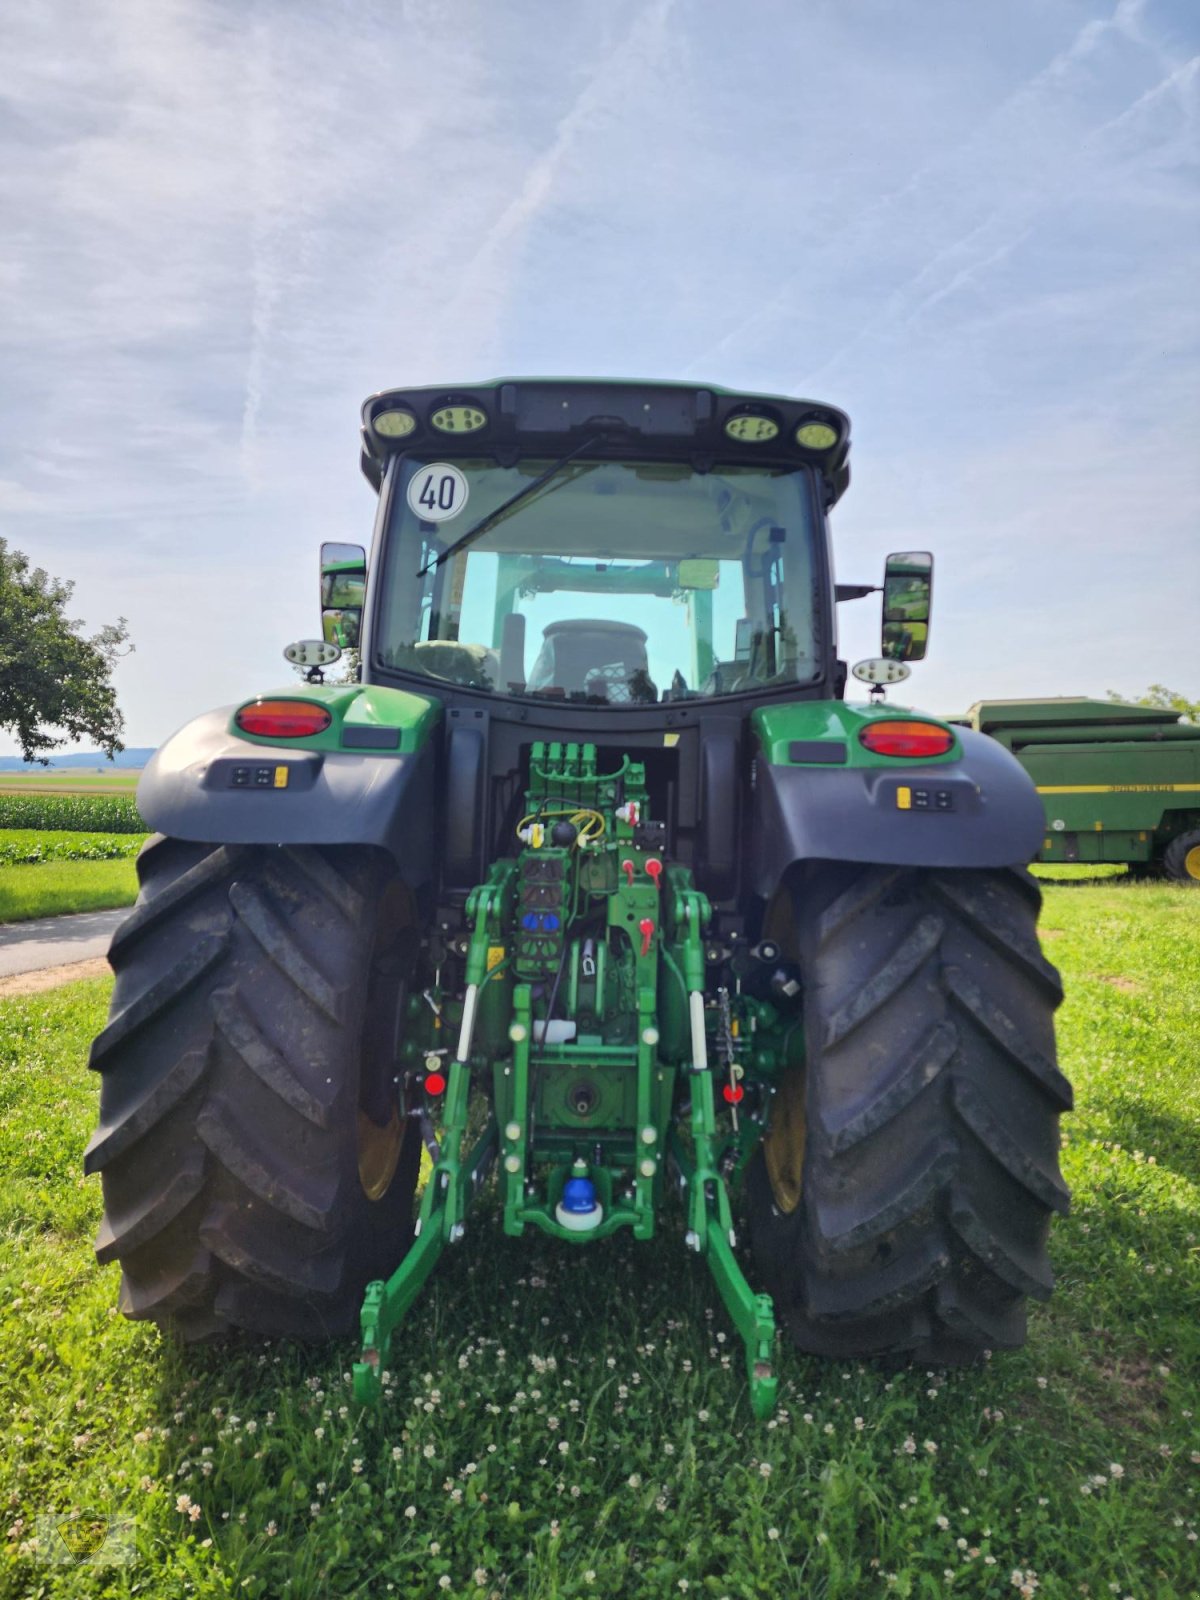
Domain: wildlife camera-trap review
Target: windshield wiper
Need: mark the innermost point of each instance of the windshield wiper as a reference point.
(484, 523)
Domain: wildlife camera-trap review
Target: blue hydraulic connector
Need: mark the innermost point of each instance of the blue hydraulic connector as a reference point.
(579, 1209)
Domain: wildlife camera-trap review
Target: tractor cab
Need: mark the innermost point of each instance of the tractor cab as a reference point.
(606, 545)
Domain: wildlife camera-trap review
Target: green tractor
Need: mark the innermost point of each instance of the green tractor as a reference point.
(590, 883)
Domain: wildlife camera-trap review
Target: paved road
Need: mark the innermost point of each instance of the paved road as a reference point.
(56, 941)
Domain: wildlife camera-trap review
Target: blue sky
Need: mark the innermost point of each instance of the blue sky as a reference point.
(975, 226)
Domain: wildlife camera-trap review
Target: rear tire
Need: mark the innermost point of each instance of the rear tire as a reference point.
(924, 1168)
(257, 999)
(1181, 859)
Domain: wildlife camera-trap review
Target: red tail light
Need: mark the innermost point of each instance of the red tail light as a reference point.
(283, 719)
(913, 740)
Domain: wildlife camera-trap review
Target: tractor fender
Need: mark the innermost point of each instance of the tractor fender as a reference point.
(980, 810)
(209, 785)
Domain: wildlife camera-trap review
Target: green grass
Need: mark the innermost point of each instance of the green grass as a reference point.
(30, 846)
(58, 888)
(75, 780)
(1070, 1463)
(1080, 871)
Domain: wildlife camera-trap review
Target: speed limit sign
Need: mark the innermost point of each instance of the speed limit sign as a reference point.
(437, 492)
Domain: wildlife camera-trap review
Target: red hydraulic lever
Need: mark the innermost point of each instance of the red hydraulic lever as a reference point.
(654, 868)
(646, 929)
(627, 869)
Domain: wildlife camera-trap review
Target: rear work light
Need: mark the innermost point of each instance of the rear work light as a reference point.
(909, 739)
(283, 719)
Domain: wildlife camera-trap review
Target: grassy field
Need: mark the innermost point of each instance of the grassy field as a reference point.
(572, 1423)
(97, 780)
(58, 888)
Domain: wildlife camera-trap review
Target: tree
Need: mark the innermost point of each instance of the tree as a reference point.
(52, 677)
(1166, 699)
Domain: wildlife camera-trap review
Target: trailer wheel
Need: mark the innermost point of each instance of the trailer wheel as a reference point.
(1181, 859)
(901, 1199)
(255, 1172)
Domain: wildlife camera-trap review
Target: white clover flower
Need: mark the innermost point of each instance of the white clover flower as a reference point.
(444, 1581)
(410, 1512)
(943, 1522)
(772, 1533)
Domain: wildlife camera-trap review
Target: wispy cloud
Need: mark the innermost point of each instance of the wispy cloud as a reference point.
(222, 224)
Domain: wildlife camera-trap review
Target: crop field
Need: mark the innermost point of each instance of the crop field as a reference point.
(573, 1423)
(72, 811)
(98, 780)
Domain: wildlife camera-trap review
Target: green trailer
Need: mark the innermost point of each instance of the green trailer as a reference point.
(1119, 782)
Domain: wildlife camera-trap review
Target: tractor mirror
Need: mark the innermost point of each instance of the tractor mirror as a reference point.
(343, 584)
(907, 601)
(342, 555)
(340, 627)
(905, 641)
(699, 573)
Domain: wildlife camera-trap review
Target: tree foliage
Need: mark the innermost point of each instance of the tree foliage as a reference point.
(55, 682)
(1167, 699)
